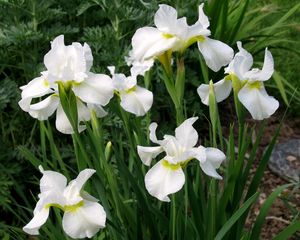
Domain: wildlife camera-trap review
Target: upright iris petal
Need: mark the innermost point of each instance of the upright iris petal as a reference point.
(83, 216)
(166, 176)
(71, 66)
(174, 34)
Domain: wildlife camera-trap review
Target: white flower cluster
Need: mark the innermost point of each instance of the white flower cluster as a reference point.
(70, 66)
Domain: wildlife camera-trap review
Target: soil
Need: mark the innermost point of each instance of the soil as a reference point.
(280, 215)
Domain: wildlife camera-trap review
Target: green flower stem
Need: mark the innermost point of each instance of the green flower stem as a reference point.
(215, 122)
(213, 208)
(133, 144)
(173, 216)
(179, 89)
(102, 164)
(43, 142)
(240, 111)
(147, 80)
(176, 90)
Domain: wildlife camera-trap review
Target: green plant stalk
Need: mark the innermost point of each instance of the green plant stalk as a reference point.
(169, 83)
(173, 216)
(102, 156)
(214, 118)
(175, 90)
(43, 142)
(179, 89)
(69, 104)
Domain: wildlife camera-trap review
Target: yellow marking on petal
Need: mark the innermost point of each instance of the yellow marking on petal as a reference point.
(237, 84)
(73, 208)
(200, 38)
(192, 40)
(46, 83)
(66, 208)
(185, 163)
(168, 35)
(173, 167)
(165, 60)
(74, 83)
(54, 205)
(228, 77)
(130, 90)
(255, 85)
(117, 93)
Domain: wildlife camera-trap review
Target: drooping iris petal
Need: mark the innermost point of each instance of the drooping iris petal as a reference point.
(37, 87)
(216, 54)
(137, 101)
(96, 89)
(162, 180)
(148, 153)
(62, 122)
(213, 159)
(186, 134)
(100, 112)
(44, 109)
(40, 216)
(84, 221)
(83, 112)
(257, 101)
(266, 72)
(222, 90)
(47, 198)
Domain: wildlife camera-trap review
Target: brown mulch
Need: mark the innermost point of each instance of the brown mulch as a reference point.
(279, 215)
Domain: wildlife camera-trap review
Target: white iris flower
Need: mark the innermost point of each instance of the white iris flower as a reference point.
(252, 93)
(166, 176)
(83, 216)
(174, 34)
(70, 65)
(134, 99)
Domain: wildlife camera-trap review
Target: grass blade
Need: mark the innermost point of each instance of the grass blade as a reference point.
(288, 231)
(264, 211)
(227, 226)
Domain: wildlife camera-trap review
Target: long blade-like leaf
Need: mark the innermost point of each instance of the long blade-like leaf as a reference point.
(227, 226)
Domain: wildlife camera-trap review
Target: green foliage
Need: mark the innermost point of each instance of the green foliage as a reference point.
(107, 26)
